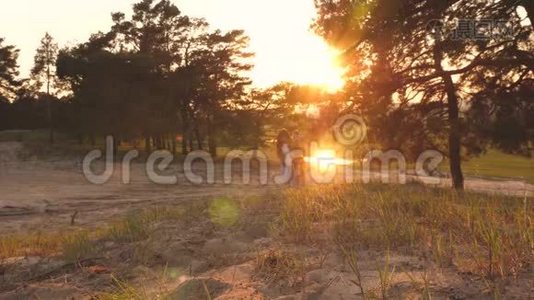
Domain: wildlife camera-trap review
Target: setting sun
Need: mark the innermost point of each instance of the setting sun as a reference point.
(318, 66)
(323, 159)
(286, 48)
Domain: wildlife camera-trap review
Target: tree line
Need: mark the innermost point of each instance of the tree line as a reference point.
(424, 74)
(158, 75)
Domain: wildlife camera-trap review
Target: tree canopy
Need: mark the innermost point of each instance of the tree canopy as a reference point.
(157, 74)
(8, 71)
(413, 63)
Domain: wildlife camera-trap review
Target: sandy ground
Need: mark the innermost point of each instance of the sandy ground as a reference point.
(43, 195)
(36, 193)
(193, 255)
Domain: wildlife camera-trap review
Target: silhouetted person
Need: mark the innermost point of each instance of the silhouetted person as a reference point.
(283, 149)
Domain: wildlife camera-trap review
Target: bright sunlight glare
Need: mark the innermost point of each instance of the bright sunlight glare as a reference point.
(285, 47)
(318, 66)
(323, 159)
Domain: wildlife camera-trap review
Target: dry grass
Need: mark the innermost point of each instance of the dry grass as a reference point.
(137, 226)
(75, 245)
(122, 291)
(37, 244)
(492, 236)
(279, 265)
(72, 245)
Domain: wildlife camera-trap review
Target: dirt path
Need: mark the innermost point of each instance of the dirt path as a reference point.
(44, 195)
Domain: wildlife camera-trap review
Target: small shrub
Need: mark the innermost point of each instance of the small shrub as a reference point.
(133, 228)
(77, 246)
(136, 226)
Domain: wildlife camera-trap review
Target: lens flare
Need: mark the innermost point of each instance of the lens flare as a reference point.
(324, 159)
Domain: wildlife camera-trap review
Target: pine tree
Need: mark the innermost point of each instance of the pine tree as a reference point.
(44, 74)
(8, 71)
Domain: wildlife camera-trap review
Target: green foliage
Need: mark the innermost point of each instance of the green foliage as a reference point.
(155, 75)
(496, 164)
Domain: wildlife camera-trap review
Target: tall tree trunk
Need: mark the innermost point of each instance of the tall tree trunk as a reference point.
(48, 104)
(160, 142)
(454, 135)
(190, 141)
(185, 129)
(116, 143)
(184, 143)
(174, 146)
(212, 144)
(198, 137)
(148, 145)
(185, 150)
(169, 142)
(453, 107)
(49, 116)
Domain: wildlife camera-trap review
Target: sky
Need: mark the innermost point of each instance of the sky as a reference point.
(286, 49)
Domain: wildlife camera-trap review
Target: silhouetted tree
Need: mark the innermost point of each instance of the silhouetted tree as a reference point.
(44, 75)
(8, 81)
(156, 74)
(220, 63)
(8, 71)
(399, 60)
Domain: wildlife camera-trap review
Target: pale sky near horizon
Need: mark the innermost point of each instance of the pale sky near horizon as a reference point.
(286, 49)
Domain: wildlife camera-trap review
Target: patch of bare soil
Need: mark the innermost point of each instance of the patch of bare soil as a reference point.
(209, 252)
